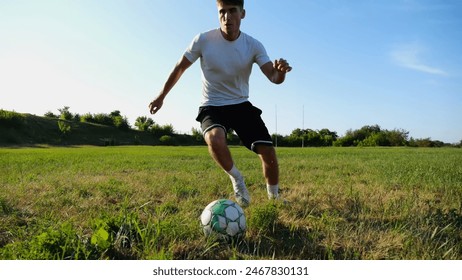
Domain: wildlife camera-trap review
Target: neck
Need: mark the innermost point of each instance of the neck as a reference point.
(232, 36)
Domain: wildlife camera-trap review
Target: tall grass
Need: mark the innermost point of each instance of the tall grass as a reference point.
(145, 203)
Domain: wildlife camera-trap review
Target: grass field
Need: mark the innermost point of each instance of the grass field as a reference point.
(145, 203)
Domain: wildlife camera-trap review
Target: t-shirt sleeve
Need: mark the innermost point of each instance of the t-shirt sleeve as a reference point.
(261, 56)
(193, 52)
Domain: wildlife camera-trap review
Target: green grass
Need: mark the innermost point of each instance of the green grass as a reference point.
(145, 202)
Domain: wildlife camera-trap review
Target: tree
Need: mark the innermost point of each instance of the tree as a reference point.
(311, 138)
(346, 141)
(144, 123)
(103, 119)
(373, 135)
(328, 137)
(50, 114)
(121, 122)
(365, 132)
(398, 137)
(425, 142)
(65, 114)
(115, 113)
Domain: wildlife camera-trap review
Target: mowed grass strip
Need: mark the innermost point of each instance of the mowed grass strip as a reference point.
(145, 202)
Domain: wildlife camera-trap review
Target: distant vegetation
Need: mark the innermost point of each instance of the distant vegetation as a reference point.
(11, 119)
(114, 129)
(367, 136)
(113, 119)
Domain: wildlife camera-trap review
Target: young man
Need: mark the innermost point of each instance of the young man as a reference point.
(227, 56)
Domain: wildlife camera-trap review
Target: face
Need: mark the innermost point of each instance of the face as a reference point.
(230, 17)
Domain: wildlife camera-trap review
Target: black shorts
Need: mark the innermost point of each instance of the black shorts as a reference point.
(243, 118)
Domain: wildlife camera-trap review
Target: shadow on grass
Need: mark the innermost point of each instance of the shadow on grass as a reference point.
(281, 242)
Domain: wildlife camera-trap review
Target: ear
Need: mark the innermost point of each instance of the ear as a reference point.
(243, 14)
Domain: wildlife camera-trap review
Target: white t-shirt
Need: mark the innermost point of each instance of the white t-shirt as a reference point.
(226, 66)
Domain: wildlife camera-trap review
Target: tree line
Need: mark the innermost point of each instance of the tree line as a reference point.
(366, 136)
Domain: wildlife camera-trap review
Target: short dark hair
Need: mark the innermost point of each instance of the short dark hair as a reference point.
(239, 3)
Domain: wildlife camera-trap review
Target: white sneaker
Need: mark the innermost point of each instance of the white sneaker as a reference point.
(241, 193)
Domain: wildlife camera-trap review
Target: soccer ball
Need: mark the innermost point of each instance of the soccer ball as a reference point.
(224, 218)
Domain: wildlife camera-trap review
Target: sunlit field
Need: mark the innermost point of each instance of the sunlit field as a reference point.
(145, 202)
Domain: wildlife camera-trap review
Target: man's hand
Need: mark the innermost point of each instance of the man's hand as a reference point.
(155, 105)
(282, 65)
(276, 72)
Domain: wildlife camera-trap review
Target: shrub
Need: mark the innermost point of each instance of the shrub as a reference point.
(88, 117)
(166, 140)
(375, 139)
(64, 127)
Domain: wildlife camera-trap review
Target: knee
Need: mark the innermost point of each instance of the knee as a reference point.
(268, 155)
(215, 137)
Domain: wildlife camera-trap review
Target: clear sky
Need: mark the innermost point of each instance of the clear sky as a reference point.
(395, 63)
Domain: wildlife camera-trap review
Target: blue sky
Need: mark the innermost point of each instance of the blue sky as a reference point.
(395, 63)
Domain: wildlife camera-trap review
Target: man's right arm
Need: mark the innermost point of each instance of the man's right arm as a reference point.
(173, 78)
(276, 72)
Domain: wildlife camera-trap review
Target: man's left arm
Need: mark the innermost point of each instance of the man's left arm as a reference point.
(276, 72)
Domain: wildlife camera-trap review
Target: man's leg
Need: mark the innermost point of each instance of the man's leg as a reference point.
(270, 169)
(218, 149)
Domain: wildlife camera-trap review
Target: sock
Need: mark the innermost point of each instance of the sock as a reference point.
(234, 173)
(273, 190)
